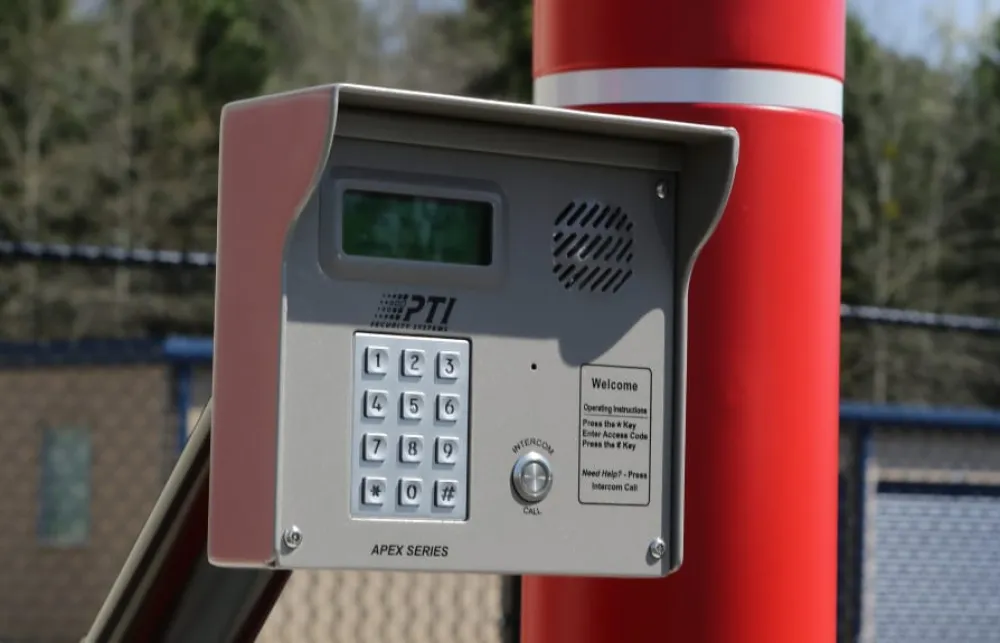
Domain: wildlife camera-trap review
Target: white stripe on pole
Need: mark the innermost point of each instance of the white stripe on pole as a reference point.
(756, 87)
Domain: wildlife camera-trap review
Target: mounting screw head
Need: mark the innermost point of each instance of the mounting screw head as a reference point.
(657, 549)
(662, 190)
(292, 537)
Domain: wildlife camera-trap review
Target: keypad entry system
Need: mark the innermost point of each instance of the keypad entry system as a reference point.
(410, 427)
(450, 333)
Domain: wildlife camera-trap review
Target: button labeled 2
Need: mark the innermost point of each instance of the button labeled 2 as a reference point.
(413, 362)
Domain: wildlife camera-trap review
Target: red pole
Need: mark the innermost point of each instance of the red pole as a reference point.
(762, 433)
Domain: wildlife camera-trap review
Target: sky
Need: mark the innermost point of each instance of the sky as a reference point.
(904, 24)
(909, 24)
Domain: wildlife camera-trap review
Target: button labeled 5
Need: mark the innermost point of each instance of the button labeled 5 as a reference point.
(412, 407)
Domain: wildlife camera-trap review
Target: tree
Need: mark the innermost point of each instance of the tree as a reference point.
(508, 24)
(906, 133)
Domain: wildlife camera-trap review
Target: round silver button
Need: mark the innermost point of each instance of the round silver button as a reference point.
(532, 477)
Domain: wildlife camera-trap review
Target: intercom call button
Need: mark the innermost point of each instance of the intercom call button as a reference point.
(532, 476)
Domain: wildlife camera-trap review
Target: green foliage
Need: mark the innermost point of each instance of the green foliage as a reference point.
(232, 56)
(508, 24)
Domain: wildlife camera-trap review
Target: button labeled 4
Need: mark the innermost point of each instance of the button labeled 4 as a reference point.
(376, 403)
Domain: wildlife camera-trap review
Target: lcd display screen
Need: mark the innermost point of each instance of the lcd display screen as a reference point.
(389, 225)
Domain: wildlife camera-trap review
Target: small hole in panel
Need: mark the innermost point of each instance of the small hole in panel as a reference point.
(534, 366)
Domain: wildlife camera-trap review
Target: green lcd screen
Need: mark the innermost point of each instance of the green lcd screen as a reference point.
(389, 225)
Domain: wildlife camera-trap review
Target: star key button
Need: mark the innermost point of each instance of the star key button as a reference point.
(374, 491)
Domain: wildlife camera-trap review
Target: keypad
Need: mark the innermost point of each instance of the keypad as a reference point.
(411, 427)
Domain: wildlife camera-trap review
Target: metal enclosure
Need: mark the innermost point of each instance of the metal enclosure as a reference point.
(518, 412)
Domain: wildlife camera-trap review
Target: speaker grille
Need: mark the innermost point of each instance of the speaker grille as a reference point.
(592, 247)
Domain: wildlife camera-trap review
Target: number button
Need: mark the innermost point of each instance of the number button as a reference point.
(412, 407)
(446, 450)
(373, 491)
(448, 407)
(413, 362)
(445, 492)
(376, 403)
(376, 360)
(411, 448)
(410, 490)
(448, 365)
(376, 445)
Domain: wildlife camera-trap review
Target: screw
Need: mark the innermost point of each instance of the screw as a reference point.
(657, 548)
(661, 190)
(292, 537)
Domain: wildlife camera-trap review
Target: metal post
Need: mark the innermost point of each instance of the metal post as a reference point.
(761, 499)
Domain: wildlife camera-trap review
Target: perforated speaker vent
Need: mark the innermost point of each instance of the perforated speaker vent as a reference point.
(592, 247)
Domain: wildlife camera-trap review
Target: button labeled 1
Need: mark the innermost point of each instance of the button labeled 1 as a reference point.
(376, 360)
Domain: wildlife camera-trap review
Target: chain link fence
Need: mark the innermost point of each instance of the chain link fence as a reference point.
(100, 382)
